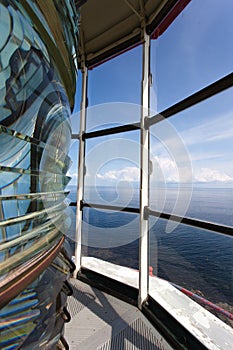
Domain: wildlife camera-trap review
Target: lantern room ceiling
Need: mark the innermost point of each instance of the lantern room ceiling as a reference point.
(109, 27)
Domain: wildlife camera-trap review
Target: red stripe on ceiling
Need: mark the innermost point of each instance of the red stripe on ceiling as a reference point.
(109, 58)
(167, 21)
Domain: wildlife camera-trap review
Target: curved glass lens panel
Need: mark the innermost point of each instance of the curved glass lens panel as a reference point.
(35, 137)
(35, 317)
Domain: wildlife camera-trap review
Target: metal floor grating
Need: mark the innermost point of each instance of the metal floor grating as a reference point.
(103, 322)
(136, 336)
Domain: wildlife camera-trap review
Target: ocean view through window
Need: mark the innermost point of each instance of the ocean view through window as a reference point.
(191, 172)
(116, 174)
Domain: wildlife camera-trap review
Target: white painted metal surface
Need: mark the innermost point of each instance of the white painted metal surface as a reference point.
(117, 272)
(207, 328)
(144, 178)
(81, 170)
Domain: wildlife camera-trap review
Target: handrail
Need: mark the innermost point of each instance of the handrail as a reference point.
(110, 207)
(206, 225)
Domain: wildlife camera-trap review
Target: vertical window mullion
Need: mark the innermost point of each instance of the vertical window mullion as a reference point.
(81, 170)
(144, 177)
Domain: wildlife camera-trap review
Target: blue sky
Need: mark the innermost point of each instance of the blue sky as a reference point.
(195, 145)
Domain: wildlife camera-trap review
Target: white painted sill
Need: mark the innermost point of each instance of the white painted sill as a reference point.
(207, 328)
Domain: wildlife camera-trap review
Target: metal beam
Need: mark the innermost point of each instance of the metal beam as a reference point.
(111, 131)
(199, 96)
(144, 178)
(81, 170)
(110, 207)
(200, 224)
(131, 6)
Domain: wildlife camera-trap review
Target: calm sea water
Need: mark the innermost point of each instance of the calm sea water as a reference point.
(196, 259)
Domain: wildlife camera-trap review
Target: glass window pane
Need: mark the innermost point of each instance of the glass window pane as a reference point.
(112, 170)
(193, 259)
(120, 79)
(109, 115)
(116, 100)
(193, 52)
(192, 162)
(110, 236)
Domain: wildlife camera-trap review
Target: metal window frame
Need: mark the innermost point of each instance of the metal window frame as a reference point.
(144, 126)
(81, 169)
(75, 136)
(144, 175)
(144, 168)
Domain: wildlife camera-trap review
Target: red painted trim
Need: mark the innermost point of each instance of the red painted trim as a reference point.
(197, 297)
(167, 21)
(113, 56)
(175, 11)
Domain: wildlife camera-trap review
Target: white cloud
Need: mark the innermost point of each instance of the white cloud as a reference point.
(130, 174)
(164, 169)
(167, 170)
(211, 175)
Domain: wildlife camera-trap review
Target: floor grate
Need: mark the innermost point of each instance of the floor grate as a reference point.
(102, 322)
(136, 336)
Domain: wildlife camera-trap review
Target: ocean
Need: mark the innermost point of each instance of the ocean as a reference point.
(196, 259)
